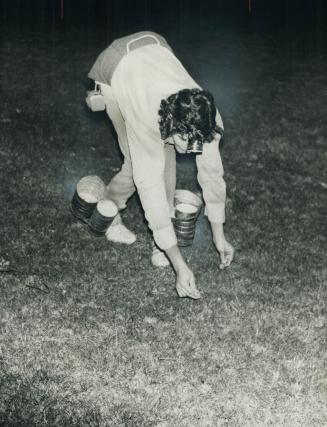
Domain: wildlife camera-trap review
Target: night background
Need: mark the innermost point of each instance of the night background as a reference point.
(91, 334)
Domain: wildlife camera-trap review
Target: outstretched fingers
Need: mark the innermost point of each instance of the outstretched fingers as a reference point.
(187, 290)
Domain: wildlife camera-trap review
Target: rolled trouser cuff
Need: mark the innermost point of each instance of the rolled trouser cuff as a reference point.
(165, 238)
(215, 212)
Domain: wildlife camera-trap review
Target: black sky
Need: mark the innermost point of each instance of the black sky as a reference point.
(123, 16)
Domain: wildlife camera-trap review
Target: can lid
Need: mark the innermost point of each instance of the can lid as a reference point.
(87, 197)
(91, 188)
(187, 196)
(107, 208)
(186, 208)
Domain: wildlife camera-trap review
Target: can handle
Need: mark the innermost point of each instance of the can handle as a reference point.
(139, 38)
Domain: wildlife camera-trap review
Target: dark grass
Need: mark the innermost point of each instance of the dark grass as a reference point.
(91, 333)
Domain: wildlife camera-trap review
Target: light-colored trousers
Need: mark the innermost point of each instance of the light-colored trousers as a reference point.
(121, 186)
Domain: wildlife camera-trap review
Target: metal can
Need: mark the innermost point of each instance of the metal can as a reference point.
(89, 191)
(187, 209)
(102, 217)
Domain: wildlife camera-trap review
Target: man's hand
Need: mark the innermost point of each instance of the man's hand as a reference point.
(185, 284)
(224, 248)
(226, 252)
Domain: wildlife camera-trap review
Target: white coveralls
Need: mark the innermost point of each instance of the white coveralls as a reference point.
(143, 77)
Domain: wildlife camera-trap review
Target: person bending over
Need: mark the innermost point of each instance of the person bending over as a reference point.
(157, 109)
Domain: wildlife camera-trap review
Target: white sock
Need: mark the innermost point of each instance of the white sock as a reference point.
(118, 233)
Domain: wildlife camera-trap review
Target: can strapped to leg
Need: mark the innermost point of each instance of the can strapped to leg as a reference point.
(102, 217)
(89, 191)
(187, 209)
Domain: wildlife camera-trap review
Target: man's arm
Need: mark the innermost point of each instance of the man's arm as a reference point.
(210, 177)
(224, 248)
(148, 162)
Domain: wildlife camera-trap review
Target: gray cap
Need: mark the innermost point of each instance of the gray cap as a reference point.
(106, 63)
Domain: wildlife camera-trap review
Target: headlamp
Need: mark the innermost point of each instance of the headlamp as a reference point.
(194, 146)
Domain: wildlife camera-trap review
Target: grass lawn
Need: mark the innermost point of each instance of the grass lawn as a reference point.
(91, 333)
